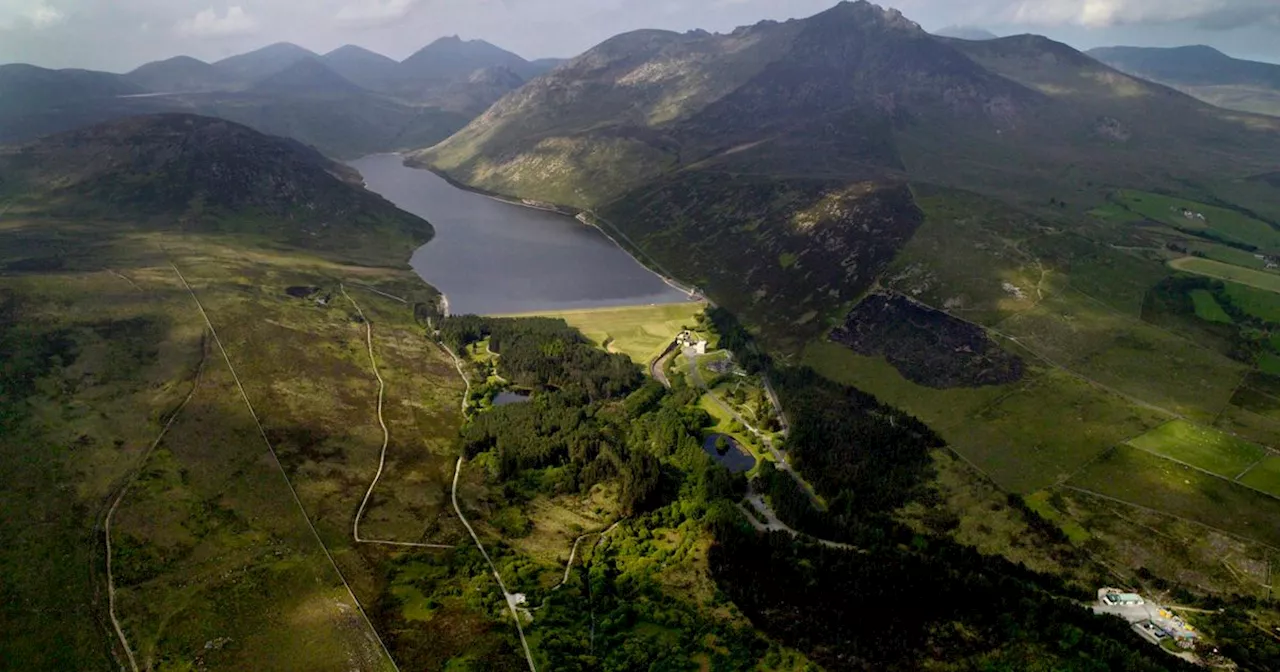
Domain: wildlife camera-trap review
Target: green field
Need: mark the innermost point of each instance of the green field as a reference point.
(640, 332)
(1262, 304)
(1207, 307)
(1229, 224)
(1202, 447)
(1216, 269)
(1265, 476)
(1140, 478)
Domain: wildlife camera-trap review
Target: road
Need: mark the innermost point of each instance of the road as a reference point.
(774, 524)
(574, 551)
(509, 596)
(658, 367)
(386, 439)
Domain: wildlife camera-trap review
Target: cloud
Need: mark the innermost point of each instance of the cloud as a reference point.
(208, 24)
(373, 12)
(1210, 14)
(33, 13)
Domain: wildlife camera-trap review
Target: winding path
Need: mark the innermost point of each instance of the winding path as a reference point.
(386, 440)
(574, 551)
(124, 490)
(283, 473)
(510, 597)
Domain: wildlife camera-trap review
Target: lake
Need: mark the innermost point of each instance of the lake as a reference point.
(737, 459)
(492, 258)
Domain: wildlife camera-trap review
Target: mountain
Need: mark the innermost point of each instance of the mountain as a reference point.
(1203, 72)
(477, 92)
(180, 74)
(27, 87)
(307, 76)
(967, 33)
(451, 58)
(688, 143)
(366, 68)
(263, 62)
(542, 66)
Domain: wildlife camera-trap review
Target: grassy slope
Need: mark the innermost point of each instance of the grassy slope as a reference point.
(209, 544)
(640, 332)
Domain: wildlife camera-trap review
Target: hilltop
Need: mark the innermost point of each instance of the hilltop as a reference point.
(1203, 72)
(210, 174)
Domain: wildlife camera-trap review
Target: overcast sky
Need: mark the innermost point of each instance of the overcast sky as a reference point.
(118, 35)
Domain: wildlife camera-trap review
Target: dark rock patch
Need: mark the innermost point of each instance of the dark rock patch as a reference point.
(927, 346)
(301, 292)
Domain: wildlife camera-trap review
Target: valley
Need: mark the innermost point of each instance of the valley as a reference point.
(979, 327)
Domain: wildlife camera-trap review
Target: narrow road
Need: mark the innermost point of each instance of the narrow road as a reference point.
(386, 439)
(133, 478)
(280, 466)
(658, 367)
(510, 598)
(774, 524)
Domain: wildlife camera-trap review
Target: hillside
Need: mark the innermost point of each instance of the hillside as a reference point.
(1203, 72)
(451, 58)
(172, 370)
(211, 174)
(263, 62)
(307, 76)
(27, 89)
(180, 74)
(851, 101)
(368, 69)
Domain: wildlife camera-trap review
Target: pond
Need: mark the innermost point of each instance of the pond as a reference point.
(493, 258)
(736, 459)
(507, 397)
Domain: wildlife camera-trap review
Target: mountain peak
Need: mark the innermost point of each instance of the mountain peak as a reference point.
(871, 14)
(308, 75)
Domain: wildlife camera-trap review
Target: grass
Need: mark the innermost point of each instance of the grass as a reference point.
(1264, 476)
(1041, 502)
(640, 332)
(1215, 269)
(1147, 480)
(209, 544)
(1207, 307)
(1262, 304)
(1208, 449)
(1228, 223)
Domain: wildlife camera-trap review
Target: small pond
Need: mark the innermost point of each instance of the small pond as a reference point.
(736, 459)
(507, 397)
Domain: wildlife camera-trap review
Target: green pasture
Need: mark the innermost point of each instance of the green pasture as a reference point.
(1202, 447)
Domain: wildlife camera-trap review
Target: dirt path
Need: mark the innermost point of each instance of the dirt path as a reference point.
(386, 439)
(510, 597)
(124, 490)
(284, 474)
(573, 552)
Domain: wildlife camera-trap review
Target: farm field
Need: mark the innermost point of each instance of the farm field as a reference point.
(1207, 307)
(1137, 477)
(640, 332)
(1168, 210)
(1259, 303)
(1216, 269)
(1202, 447)
(1265, 476)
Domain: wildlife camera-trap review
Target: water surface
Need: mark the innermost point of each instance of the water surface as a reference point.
(491, 258)
(737, 459)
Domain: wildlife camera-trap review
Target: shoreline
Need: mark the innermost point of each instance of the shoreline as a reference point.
(578, 214)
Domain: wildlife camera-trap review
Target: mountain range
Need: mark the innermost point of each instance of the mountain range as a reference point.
(371, 103)
(1203, 72)
(693, 143)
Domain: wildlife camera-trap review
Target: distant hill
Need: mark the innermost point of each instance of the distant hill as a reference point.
(967, 33)
(307, 76)
(686, 142)
(451, 58)
(27, 87)
(366, 68)
(1203, 72)
(263, 62)
(479, 91)
(163, 164)
(180, 74)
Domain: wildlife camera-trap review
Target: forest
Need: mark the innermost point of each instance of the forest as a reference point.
(905, 598)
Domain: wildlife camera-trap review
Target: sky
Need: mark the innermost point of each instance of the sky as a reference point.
(118, 35)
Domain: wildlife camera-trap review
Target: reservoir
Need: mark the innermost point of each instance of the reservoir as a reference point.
(492, 258)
